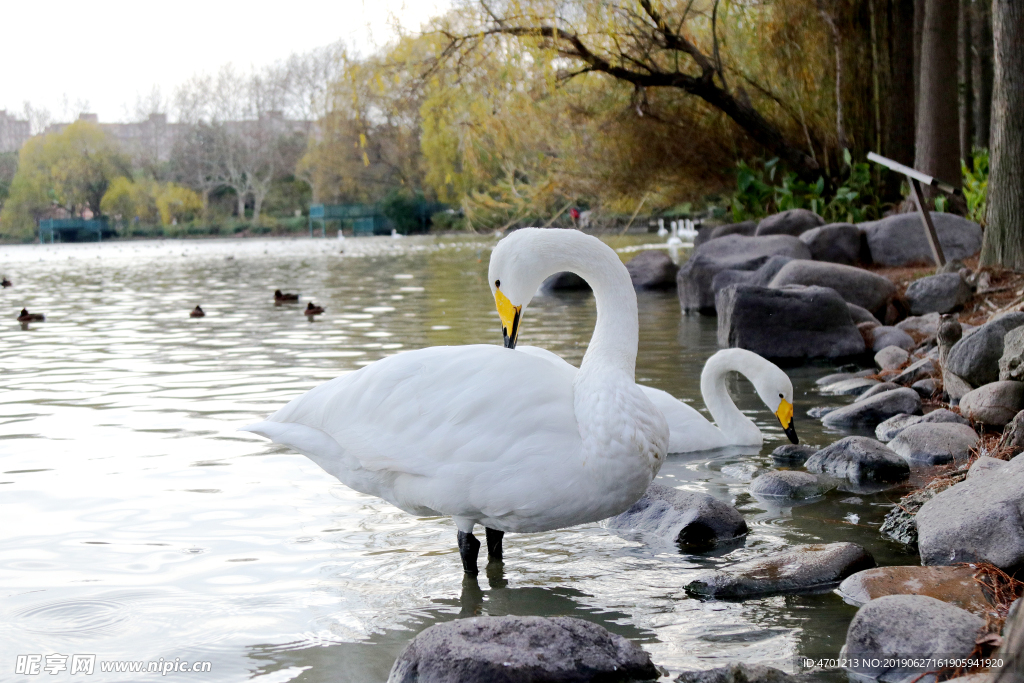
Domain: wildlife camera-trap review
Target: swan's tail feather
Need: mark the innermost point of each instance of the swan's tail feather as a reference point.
(315, 444)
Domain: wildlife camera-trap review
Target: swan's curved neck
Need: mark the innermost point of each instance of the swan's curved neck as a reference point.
(728, 418)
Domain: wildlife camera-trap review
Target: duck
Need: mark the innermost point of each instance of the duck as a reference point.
(26, 317)
(488, 436)
(5, 283)
(280, 297)
(196, 312)
(689, 430)
(313, 309)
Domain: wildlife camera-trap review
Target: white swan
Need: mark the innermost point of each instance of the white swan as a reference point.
(490, 436)
(690, 431)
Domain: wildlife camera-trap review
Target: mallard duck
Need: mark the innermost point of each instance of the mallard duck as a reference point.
(196, 312)
(26, 317)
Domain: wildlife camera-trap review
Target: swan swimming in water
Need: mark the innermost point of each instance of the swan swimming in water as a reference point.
(490, 436)
(690, 431)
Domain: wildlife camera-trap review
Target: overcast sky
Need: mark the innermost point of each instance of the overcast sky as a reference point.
(108, 53)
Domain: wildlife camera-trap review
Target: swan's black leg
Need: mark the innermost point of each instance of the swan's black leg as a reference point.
(494, 544)
(469, 549)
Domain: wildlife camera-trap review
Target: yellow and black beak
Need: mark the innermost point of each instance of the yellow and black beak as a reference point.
(510, 316)
(785, 415)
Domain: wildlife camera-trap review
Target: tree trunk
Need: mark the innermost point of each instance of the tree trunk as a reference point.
(241, 204)
(901, 95)
(966, 91)
(1004, 237)
(938, 125)
(257, 202)
(918, 36)
(981, 78)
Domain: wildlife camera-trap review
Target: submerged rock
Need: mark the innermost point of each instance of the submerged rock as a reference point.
(792, 322)
(801, 569)
(851, 387)
(818, 412)
(840, 376)
(954, 585)
(890, 429)
(871, 411)
(859, 459)
(977, 520)
(788, 484)
(695, 521)
(906, 627)
(516, 649)
(652, 269)
(935, 443)
(993, 404)
(737, 672)
(792, 454)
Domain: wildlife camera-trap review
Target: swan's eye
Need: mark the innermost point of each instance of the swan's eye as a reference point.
(781, 396)
(497, 283)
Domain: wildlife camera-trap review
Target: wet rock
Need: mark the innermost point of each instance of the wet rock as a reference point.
(859, 459)
(935, 443)
(922, 328)
(983, 464)
(792, 454)
(1010, 367)
(891, 428)
(900, 523)
(840, 376)
(916, 371)
(981, 519)
(953, 585)
(515, 649)
(859, 314)
(899, 240)
(737, 672)
(837, 243)
(897, 627)
(652, 269)
(801, 569)
(788, 484)
(850, 387)
(1013, 436)
(693, 520)
(871, 411)
(857, 286)
(975, 358)
(819, 412)
(761, 277)
(732, 252)
(879, 388)
(792, 222)
(564, 282)
(993, 404)
(791, 322)
(885, 336)
(925, 388)
(891, 357)
(938, 294)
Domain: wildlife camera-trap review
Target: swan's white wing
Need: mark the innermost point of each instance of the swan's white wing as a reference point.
(461, 430)
(688, 430)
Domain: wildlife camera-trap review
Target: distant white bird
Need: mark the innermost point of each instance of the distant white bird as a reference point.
(395, 235)
(489, 436)
(661, 228)
(687, 231)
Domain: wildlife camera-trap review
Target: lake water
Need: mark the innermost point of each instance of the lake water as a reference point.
(137, 523)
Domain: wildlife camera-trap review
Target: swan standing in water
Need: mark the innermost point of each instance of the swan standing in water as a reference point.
(690, 431)
(489, 436)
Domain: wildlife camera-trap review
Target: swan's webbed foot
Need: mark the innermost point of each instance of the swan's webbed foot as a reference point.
(494, 544)
(469, 549)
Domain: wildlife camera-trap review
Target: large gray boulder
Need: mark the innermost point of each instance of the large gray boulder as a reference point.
(856, 285)
(993, 404)
(788, 484)
(859, 460)
(791, 322)
(879, 388)
(652, 269)
(872, 411)
(564, 282)
(975, 358)
(693, 520)
(836, 243)
(895, 630)
(894, 426)
(737, 672)
(743, 228)
(801, 569)
(953, 585)
(733, 252)
(899, 240)
(941, 293)
(981, 519)
(761, 277)
(516, 649)
(792, 222)
(935, 443)
(1011, 363)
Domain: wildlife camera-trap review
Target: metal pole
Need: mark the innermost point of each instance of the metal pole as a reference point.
(929, 228)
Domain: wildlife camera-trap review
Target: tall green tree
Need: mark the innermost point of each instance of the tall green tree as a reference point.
(938, 122)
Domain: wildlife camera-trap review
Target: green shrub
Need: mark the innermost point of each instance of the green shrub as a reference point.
(976, 186)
